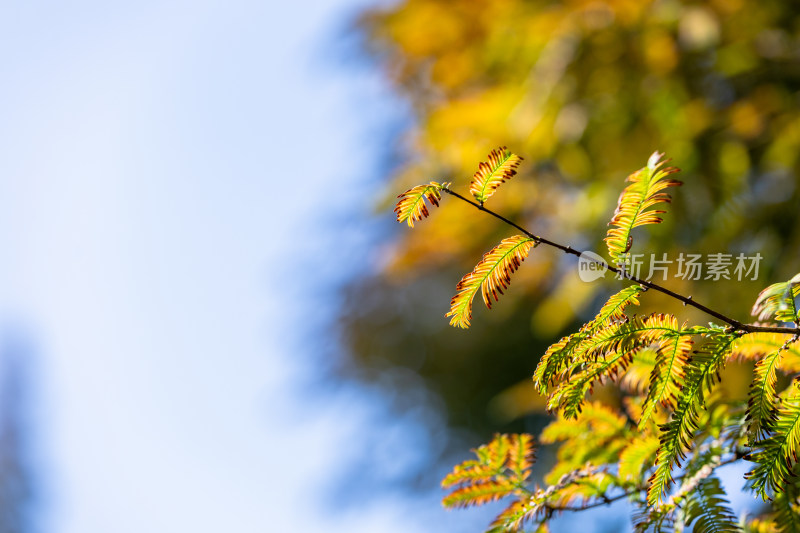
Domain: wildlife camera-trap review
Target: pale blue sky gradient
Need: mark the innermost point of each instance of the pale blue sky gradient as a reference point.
(164, 168)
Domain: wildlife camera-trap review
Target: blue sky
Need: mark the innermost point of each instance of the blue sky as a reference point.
(159, 164)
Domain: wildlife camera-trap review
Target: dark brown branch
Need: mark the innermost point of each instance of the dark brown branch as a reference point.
(687, 300)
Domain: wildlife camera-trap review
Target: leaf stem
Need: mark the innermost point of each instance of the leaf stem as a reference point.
(606, 500)
(687, 300)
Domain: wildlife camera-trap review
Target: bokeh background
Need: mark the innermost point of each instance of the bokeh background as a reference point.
(208, 318)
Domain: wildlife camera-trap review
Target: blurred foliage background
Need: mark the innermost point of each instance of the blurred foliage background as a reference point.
(585, 91)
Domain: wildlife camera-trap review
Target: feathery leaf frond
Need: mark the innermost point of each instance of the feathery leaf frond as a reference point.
(668, 374)
(575, 487)
(777, 455)
(595, 421)
(479, 493)
(787, 512)
(596, 436)
(637, 376)
(637, 458)
(778, 302)
(754, 346)
(491, 275)
(677, 434)
(709, 510)
(501, 468)
(627, 336)
(521, 455)
(502, 165)
(604, 355)
(411, 205)
(560, 354)
(646, 189)
(761, 411)
(514, 517)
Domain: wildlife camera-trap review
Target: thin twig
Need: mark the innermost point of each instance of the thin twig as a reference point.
(687, 300)
(609, 500)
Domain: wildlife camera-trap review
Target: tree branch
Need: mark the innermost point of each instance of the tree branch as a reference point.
(605, 500)
(687, 300)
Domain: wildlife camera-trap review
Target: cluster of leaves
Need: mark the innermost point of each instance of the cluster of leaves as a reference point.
(661, 452)
(584, 91)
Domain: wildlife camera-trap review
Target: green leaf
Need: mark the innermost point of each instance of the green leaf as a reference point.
(787, 512)
(677, 434)
(637, 458)
(761, 410)
(561, 354)
(646, 190)
(709, 510)
(778, 301)
(777, 455)
(605, 354)
(668, 374)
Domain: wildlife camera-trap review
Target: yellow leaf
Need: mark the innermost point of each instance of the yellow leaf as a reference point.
(491, 275)
(502, 165)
